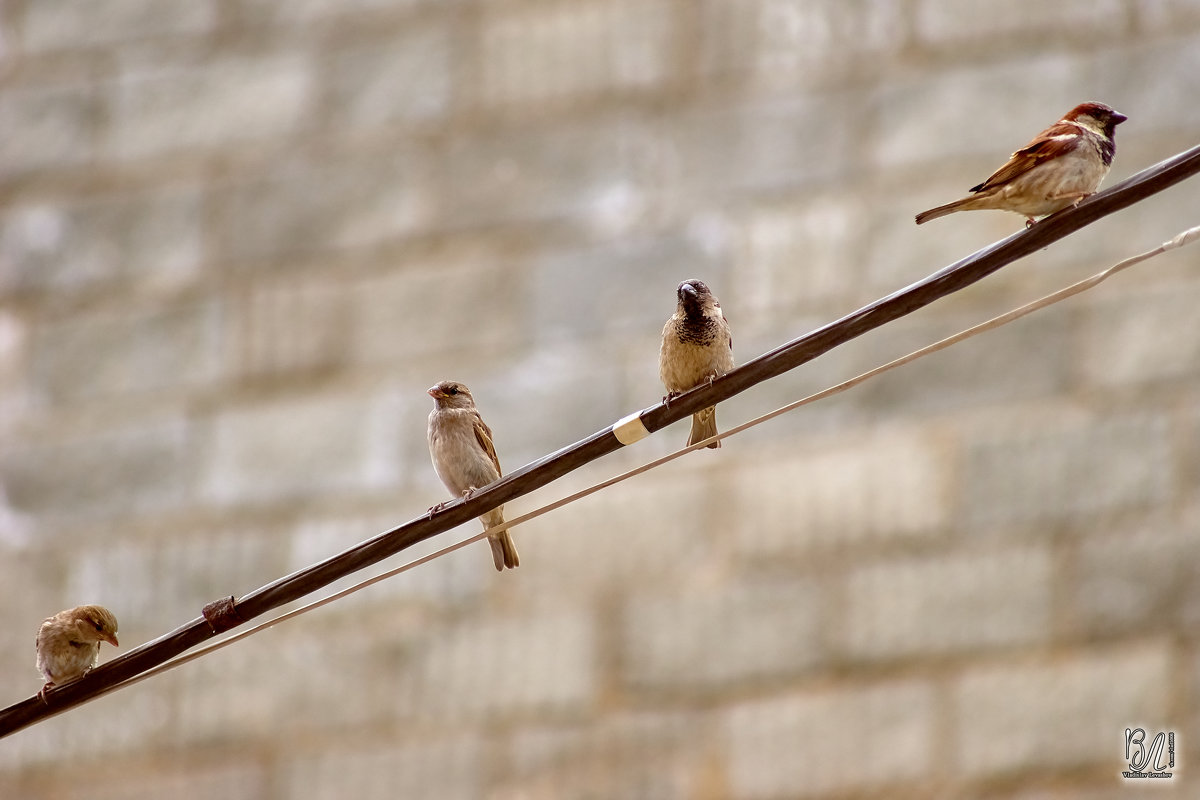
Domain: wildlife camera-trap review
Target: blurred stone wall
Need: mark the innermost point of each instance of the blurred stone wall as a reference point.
(239, 238)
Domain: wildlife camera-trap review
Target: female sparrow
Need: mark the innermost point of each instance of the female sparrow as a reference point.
(1062, 165)
(68, 644)
(696, 347)
(460, 444)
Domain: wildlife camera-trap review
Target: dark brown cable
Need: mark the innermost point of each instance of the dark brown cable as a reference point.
(959, 275)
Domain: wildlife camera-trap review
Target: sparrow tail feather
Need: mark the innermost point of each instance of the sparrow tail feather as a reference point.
(704, 425)
(941, 211)
(504, 551)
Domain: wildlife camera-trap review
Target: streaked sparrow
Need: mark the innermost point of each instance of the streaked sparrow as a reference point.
(696, 347)
(68, 644)
(460, 444)
(1061, 166)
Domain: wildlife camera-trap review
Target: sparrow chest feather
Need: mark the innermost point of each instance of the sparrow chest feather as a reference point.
(1057, 183)
(1082, 170)
(1088, 165)
(693, 350)
(458, 458)
(62, 658)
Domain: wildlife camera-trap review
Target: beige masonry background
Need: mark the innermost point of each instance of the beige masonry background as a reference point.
(239, 238)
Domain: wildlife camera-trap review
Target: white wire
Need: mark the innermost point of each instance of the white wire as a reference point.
(1187, 237)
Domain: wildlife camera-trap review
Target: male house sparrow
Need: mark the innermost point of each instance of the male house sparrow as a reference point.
(696, 347)
(1062, 165)
(68, 644)
(460, 444)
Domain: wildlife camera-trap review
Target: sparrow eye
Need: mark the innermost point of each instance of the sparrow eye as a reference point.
(452, 390)
(99, 625)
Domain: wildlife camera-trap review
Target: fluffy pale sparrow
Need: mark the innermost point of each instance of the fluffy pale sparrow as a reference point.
(68, 644)
(1062, 165)
(460, 444)
(696, 347)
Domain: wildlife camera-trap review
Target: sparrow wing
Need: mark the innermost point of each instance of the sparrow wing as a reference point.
(483, 435)
(1057, 140)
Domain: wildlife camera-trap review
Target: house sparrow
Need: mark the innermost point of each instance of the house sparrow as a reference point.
(68, 644)
(1062, 165)
(696, 347)
(460, 444)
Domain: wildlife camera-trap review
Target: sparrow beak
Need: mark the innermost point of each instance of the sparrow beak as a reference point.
(1118, 118)
(688, 289)
(434, 392)
(112, 639)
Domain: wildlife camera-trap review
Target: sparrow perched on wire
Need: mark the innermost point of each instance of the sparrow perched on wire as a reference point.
(68, 644)
(696, 347)
(460, 444)
(1062, 165)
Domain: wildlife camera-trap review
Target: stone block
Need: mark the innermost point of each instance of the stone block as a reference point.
(890, 487)
(1061, 713)
(985, 24)
(71, 24)
(553, 396)
(551, 52)
(584, 295)
(290, 326)
(614, 172)
(913, 114)
(86, 358)
(289, 449)
(131, 468)
(1141, 335)
(804, 254)
(15, 395)
(784, 43)
(546, 662)
(105, 728)
(632, 755)
(698, 639)
(156, 583)
(272, 15)
(341, 203)
(453, 768)
(451, 581)
(153, 238)
(157, 112)
(762, 147)
(1189, 446)
(1063, 468)
(230, 779)
(1025, 360)
(434, 308)
(965, 603)
(1137, 581)
(854, 738)
(410, 78)
(899, 253)
(1168, 16)
(51, 127)
(31, 590)
(310, 674)
(651, 528)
